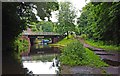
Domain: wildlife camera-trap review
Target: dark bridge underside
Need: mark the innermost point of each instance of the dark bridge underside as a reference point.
(45, 36)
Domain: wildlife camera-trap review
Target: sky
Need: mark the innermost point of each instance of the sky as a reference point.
(78, 4)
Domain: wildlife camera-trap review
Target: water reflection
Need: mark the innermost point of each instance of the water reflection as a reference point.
(39, 49)
(36, 46)
(41, 60)
(40, 67)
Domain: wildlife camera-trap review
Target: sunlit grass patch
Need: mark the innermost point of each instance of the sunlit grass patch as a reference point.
(64, 42)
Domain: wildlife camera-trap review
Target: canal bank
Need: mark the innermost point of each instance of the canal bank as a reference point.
(111, 58)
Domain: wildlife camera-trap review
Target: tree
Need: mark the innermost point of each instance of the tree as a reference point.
(47, 26)
(101, 21)
(45, 8)
(66, 18)
(42, 26)
(15, 17)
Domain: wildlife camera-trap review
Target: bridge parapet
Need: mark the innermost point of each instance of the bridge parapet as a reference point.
(39, 33)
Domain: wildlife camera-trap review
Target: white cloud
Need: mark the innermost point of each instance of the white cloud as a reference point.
(46, 18)
(54, 17)
(38, 18)
(78, 4)
(34, 11)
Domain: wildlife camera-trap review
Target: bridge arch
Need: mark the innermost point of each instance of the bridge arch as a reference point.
(55, 37)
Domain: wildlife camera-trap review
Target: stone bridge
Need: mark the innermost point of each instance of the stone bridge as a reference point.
(55, 37)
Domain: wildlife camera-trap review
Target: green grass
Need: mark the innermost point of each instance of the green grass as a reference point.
(75, 54)
(63, 42)
(92, 59)
(66, 41)
(102, 45)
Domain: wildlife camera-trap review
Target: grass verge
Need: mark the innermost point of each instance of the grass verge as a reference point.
(63, 42)
(101, 45)
(75, 54)
(93, 60)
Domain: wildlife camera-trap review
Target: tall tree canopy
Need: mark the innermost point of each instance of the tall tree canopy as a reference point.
(66, 18)
(15, 17)
(43, 26)
(45, 8)
(101, 21)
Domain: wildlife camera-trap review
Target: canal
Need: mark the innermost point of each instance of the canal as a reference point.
(42, 59)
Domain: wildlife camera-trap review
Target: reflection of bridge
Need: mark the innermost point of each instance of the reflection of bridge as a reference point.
(33, 35)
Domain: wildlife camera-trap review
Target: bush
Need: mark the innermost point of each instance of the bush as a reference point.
(84, 36)
(20, 45)
(73, 53)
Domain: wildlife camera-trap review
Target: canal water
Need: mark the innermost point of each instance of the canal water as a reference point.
(41, 57)
(41, 60)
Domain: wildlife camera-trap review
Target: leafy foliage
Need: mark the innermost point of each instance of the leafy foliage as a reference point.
(66, 18)
(75, 54)
(15, 17)
(45, 8)
(101, 44)
(72, 53)
(20, 45)
(43, 26)
(100, 21)
(84, 36)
